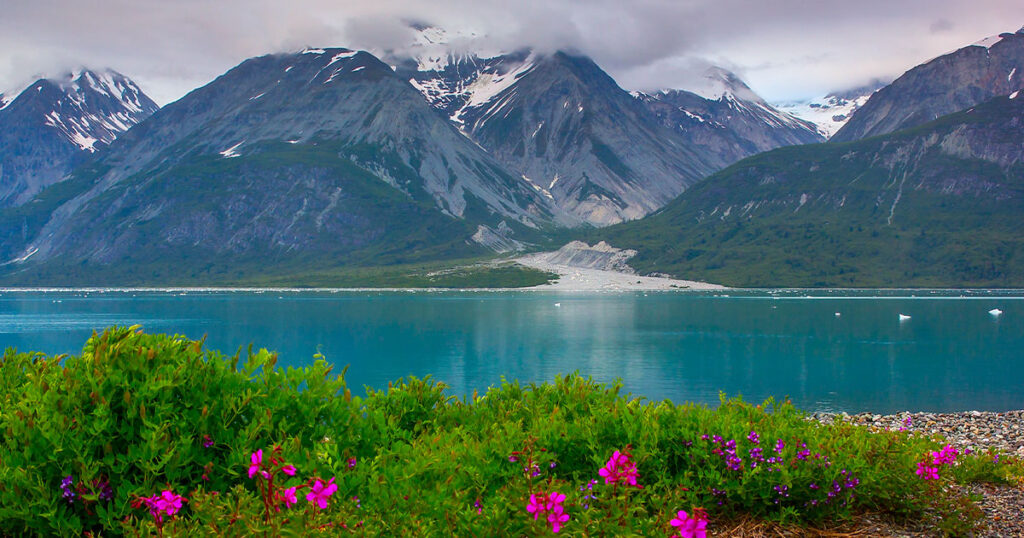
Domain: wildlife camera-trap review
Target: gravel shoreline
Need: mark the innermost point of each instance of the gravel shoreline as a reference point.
(977, 430)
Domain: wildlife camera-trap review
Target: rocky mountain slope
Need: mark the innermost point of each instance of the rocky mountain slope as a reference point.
(726, 121)
(324, 153)
(934, 205)
(947, 84)
(55, 124)
(567, 128)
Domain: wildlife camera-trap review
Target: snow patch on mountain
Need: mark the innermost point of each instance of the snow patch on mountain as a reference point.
(832, 111)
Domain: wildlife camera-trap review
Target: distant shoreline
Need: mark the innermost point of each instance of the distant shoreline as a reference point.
(544, 287)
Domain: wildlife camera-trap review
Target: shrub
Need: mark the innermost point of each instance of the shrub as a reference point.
(145, 434)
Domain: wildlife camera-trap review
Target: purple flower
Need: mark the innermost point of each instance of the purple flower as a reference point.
(753, 437)
(779, 445)
(207, 441)
(65, 486)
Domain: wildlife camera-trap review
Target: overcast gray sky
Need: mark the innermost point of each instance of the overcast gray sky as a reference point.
(785, 49)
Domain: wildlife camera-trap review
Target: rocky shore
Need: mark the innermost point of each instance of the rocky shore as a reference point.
(977, 430)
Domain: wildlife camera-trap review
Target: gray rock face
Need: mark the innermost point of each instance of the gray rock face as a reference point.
(947, 84)
(601, 256)
(565, 126)
(735, 124)
(55, 124)
(326, 151)
(601, 154)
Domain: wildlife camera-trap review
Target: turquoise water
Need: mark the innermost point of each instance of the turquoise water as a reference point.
(950, 355)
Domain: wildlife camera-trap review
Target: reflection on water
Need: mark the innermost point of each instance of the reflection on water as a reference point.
(951, 355)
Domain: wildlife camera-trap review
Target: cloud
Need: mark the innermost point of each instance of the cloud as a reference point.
(941, 25)
(785, 49)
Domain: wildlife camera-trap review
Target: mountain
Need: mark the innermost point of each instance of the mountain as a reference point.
(947, 84)
(725, 120)
(567, 128)
(831, 112)
(319, 158)
(54, 124)
(934, 205)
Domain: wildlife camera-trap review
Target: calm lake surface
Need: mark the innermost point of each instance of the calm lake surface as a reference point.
(685, 346)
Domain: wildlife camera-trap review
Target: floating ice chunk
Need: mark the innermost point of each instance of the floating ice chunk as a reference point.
(838, 314)
(996, 312)
(558, 304)
(230, 152)
(904, 317)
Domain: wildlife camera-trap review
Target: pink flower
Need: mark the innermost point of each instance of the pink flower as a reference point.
(927, 472)
(555, 499)
(255, 461)
(288, 470)
(169, 502)
(557, 518)
(946, 456)
(289, 497)
(619, 469)
(321, 491)
(535, 506)
(691, 527)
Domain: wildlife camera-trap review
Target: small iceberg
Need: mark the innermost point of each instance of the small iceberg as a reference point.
(996, 312)
(558, 304)
(838, 314)
(904, 317)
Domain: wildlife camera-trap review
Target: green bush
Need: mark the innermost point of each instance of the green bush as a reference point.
(137, 414)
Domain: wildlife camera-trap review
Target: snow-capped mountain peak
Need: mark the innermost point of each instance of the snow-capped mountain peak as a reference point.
(718, 82)
(91, 107)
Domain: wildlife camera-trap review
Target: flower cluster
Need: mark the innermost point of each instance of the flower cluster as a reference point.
(165, 503)
(100, 486)
(590, 495)
(549, 505)
(619, 469)
(929, 469)
(691, 526)
(66, 488)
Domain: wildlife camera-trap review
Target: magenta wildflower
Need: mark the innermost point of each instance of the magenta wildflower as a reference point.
(557, 518)
(691, 527)
(536, 506)
(779, 446)
(169, 502)
(255, 461)
(288, 469)
(289, 497)
(351, 463)
(321, 491)
(550, 504)
(207, 441)
(946, 456)
(927, 472)
(619, 469)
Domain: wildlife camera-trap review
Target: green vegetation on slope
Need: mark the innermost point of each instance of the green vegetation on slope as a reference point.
(937, 205)
(84, 439)
(292, 214)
